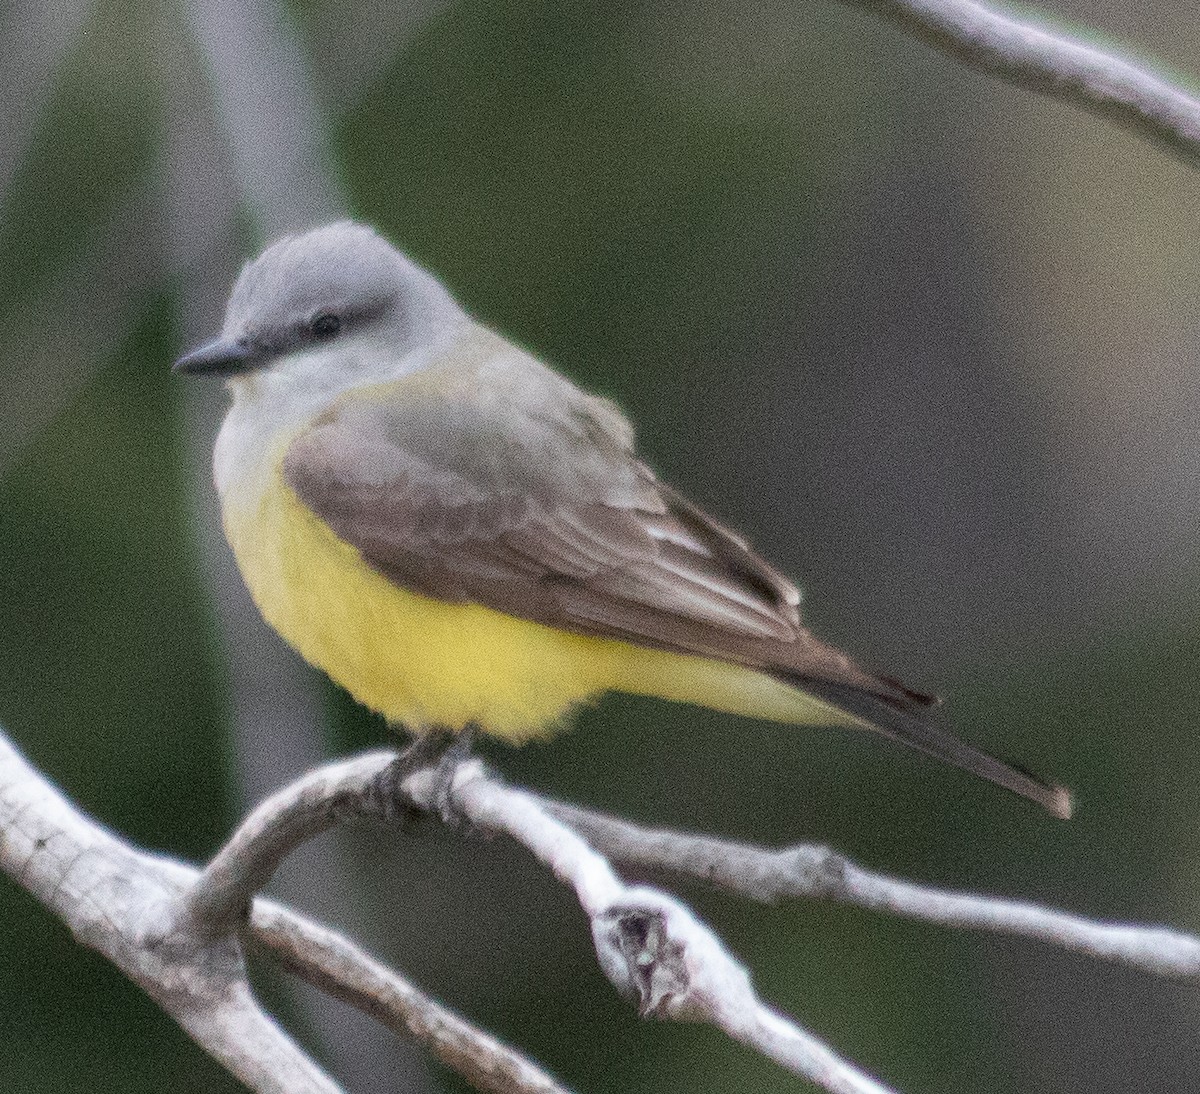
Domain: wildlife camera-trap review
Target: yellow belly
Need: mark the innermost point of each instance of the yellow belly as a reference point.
(424, 663)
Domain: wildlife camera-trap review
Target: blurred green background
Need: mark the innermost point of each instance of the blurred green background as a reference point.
(931, 341)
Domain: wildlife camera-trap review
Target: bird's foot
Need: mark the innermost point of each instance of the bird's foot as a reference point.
(424, 751)
(438, 751)
(443, 776)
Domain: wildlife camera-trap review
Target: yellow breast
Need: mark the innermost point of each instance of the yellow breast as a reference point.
(424, 663)
(420, 662)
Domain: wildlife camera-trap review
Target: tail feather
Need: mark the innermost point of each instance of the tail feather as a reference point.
(903, 716)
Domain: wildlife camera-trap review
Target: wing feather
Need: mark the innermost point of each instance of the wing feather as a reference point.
(549, 516)
(502, 484)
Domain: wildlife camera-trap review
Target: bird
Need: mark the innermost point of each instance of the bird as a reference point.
(465, 540)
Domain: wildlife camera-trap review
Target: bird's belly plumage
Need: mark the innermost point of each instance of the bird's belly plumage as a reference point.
(418, 661)
(425, 663)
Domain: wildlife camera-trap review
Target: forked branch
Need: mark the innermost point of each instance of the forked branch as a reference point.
(650, 946)
(812, 871)
(132, 907)
(178, 932)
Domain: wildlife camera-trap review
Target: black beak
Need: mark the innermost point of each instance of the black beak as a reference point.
(224, 357)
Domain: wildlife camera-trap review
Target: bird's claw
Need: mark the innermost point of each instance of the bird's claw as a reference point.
(444, 772)
(441, 753)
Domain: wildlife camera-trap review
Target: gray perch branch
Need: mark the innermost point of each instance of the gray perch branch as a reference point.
(348, 788)
(130, 907)
(1054, 64)
(649, 945)
(176, 932)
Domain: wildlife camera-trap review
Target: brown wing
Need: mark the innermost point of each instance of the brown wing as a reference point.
(548, 516)
(502, 484)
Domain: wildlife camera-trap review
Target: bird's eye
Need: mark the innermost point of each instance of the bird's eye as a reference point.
(325, 325)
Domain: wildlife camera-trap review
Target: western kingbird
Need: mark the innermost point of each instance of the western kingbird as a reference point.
(460, 537)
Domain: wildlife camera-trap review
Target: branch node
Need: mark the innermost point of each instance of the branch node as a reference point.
(642, 960)
(822, 868)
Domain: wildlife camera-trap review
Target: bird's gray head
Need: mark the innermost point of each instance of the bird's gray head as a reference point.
(340, 292)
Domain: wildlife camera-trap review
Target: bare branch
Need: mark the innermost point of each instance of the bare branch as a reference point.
(250, 1045)
(650, 945)
(123, 904)
(813, 871)
(1053, 64)
(277, 826)
(131, 907)
(636, 937)
(169, 927)
(338, 967)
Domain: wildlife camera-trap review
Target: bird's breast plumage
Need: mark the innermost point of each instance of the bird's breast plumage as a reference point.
(418, 661)
(422, 662)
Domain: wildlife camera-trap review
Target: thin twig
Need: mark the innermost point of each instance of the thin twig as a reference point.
(338, 967)
(813, 871)
(275, 828)
(650, 945)
(1053, 64)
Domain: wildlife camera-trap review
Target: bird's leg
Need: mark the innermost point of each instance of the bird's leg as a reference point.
(426, 750)
(439, 750)
(443, 787)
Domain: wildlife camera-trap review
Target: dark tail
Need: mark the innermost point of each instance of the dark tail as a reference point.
(904, 717)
